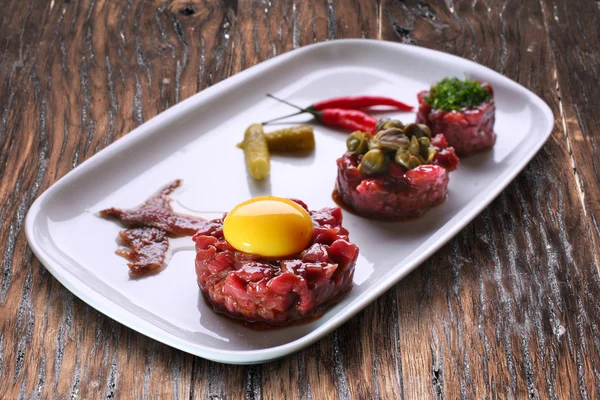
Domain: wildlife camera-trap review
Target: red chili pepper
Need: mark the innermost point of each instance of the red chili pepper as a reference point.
(353, 120)
(343, 118)
(360, 102)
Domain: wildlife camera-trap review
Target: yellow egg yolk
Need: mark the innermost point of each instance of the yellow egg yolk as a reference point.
(268, 226)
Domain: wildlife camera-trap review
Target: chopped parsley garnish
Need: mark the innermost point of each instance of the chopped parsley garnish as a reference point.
(453, 94)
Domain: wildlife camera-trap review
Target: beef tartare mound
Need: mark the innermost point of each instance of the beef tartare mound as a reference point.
(398, 173)
(464, 111)
(275, 290)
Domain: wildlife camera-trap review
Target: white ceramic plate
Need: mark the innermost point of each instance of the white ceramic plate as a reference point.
(195, 140)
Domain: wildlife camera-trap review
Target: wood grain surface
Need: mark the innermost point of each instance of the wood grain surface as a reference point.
(508, 309)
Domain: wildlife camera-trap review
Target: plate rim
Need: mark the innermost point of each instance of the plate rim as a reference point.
(147, 328)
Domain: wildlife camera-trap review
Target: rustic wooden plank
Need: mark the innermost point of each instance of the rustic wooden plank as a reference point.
(576, 73)
(80, 76)
(574, 33)
(506, 309)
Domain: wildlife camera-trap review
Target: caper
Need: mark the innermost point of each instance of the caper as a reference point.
(375, 142)
(430, 154)
(425, 130)
(389, 139)
(424, 146)
(414, 146)
(394, 142)
(373, 162)
(411, 130)
(393, 123)
(413, 162)
(380, 124)
(390, 132)
(357, 142)
(402, 157)
(406, 159)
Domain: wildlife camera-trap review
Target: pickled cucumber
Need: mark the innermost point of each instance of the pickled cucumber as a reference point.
(256, 152)
(298, 138)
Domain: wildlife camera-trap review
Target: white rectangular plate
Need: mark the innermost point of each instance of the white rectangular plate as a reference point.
(195, 140)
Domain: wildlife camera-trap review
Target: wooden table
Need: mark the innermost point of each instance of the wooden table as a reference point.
(508, 309)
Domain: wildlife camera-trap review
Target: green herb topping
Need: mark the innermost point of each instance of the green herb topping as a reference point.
(453, 94)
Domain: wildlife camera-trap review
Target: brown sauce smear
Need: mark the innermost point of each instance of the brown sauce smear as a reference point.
(337, 199)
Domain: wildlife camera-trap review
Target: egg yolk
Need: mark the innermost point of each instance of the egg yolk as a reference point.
(268, 226)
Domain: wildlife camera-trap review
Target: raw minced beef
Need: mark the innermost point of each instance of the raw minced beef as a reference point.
(276, 291)
(469, 130)
(399, 193)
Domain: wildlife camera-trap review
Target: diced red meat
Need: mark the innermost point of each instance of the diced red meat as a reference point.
(445, 156)
(399, 193)
(276, 291)
(468, 130)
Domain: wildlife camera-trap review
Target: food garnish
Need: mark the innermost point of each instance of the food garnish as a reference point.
(345, 103)
(257, 146)
(295, 139)
(464, 111)
(342, 118)
(373, 162)
(454, 94)
(256, 152)
(347, 119)
(409, 146)
(360, 102)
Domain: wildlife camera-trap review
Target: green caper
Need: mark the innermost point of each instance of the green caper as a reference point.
(394, 142)
(411, 130)
(406, 159)
(389, 139)
(414, 146)
(390, 132)
(393, 123)
(357, 142)
(373, 162)
(430, 154)
(425, 130)
(413, 162)
(375, 143)
(424, 146)
(380, 124)
(402, 157)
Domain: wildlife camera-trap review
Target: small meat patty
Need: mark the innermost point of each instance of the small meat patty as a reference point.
(276, 291)
(469, 130)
